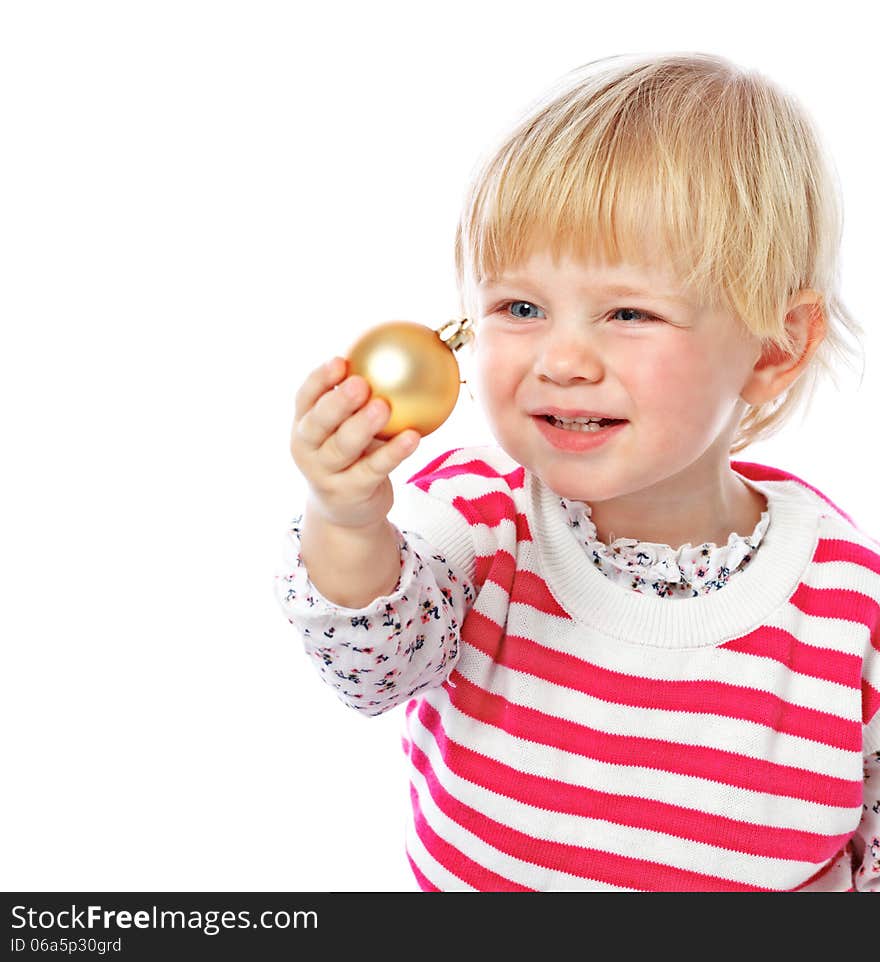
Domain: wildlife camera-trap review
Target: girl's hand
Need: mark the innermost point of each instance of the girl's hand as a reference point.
(334, 447)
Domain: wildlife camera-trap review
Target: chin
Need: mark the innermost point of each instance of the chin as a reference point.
(563, 486)
(567, 484)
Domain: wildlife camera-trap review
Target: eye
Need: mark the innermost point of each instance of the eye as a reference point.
(632, 310)
(514, 304)
(515, 309)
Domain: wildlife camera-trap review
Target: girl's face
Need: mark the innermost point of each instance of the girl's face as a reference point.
(625, 341)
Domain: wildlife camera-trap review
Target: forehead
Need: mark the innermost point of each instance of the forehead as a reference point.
(591, 276)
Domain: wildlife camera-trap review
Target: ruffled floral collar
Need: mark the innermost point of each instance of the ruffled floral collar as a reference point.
(668, 572)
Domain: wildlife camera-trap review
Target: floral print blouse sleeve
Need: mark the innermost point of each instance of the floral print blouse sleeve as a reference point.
(866, 842)
(379, 656)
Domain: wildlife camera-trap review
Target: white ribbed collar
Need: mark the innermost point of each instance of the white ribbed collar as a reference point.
(745, 602)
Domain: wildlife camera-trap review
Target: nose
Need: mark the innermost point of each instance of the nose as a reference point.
(567, 356)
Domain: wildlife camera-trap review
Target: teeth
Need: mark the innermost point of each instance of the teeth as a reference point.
(578, 424)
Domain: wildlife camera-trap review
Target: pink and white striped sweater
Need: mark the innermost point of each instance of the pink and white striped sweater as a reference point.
(566, 733)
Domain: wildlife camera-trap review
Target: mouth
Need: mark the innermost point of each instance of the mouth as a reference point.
(582, 426)
(578, 439)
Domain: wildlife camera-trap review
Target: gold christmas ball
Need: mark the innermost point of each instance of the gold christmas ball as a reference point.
(414, 369)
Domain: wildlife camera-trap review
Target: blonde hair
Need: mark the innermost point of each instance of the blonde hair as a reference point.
(714, 163)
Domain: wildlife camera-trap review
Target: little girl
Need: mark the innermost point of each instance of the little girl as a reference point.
(628, 662)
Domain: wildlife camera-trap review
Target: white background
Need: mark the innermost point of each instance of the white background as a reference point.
(200, 203)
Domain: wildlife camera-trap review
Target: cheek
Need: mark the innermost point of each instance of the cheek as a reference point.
(497, 369)
(654, 371)
(688, 391)
(672, 383)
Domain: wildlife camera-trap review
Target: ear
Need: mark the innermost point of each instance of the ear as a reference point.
(775, 370)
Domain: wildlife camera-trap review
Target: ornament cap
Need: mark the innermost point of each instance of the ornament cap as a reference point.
(456, 333)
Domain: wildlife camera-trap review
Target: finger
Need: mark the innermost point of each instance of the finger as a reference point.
(331, 410)
(381, 460)
(319, 381)
(344, 446)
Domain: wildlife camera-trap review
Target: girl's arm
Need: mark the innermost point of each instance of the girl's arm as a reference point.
(380, 655)
(866, 841)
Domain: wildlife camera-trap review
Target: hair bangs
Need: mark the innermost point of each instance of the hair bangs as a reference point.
(614, 183)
